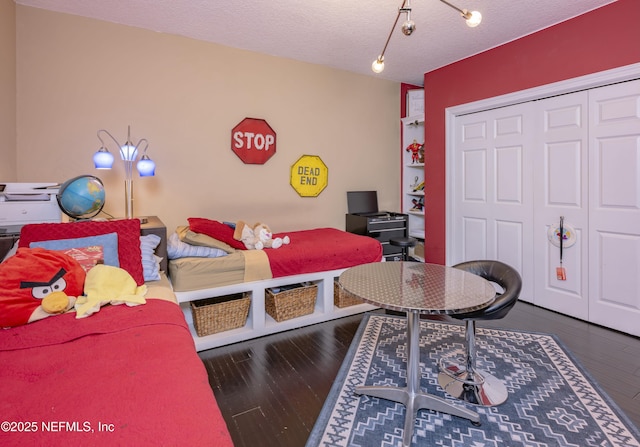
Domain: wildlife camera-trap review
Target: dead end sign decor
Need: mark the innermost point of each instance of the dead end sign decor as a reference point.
(253, 141)
(309, 176)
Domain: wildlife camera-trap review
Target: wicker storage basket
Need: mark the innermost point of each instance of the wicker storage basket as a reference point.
(342, 298)
(284, 303)
(219, 314)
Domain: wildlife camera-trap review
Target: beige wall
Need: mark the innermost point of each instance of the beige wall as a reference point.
(77, 75)
(7, 91)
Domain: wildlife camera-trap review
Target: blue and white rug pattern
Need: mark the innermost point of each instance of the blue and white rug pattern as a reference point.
(552, 400)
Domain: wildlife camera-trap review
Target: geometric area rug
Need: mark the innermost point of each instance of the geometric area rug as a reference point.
(552, 400)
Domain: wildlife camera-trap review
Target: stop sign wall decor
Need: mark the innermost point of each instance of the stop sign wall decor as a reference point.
(254, 141)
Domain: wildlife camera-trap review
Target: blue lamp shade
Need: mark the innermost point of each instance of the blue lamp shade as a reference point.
(103, 159)
(129, 152)
(146, 166)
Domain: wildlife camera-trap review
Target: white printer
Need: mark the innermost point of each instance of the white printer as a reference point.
(24, 203)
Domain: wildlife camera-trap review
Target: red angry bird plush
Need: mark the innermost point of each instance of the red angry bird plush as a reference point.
(36, 283)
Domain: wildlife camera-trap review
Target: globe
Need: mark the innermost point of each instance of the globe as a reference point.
(81, 197)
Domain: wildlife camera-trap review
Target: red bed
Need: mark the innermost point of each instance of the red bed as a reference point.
(322, 249)
(309, 251)
(124, 376)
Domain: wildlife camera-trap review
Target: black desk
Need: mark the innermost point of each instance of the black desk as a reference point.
(382, 226)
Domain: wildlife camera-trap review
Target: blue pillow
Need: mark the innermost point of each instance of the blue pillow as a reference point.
(109, 243)
(177, 249)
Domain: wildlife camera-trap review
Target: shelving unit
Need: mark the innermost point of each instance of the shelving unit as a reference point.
(260, 323)
(413, 174)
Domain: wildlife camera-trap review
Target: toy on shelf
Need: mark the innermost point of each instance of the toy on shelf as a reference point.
(418, 204)
(415, 148)
(418, 186)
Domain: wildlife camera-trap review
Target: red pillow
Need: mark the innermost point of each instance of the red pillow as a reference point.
(129, 254)
(216, 230)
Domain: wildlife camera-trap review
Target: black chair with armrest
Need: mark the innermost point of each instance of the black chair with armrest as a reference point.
(459, 377)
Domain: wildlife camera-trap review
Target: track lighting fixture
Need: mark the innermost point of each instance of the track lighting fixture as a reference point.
(473, 19)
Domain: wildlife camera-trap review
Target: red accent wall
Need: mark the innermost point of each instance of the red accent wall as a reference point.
(602, 39)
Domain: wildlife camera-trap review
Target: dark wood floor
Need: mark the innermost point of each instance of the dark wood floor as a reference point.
(270, 390)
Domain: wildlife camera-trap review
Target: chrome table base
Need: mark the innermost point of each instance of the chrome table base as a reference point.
(411, 396)
(460, 378)
(475, 387)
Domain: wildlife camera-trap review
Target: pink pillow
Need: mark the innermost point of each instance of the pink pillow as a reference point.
(216, 230)
(129, 254)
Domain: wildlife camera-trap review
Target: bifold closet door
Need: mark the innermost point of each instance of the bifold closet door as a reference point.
(561, 161)
(492, 190)
(518, 169)
(614, 221)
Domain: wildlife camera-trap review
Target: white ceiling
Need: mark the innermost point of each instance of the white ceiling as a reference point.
(344, 34)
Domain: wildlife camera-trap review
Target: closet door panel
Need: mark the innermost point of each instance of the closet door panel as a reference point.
(474, 239)
(510, 242)
(561, 189)
(614, 275)
(492, 216)
(474, 171)
(564, 163)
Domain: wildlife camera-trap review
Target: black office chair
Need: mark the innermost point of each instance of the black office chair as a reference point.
(459, 377)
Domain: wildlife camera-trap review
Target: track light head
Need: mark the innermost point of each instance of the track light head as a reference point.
(378, 65)
(408, 27)
(473, 18)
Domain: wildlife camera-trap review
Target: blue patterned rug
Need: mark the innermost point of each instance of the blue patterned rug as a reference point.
(552, 400)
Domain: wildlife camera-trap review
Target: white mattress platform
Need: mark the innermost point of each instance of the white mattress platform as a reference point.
(259, 323)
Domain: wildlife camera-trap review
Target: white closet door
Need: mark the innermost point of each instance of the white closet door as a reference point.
(492, 188)
(614, 274)
(561, 189)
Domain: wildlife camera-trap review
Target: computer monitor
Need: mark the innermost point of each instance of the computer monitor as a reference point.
(362, 202)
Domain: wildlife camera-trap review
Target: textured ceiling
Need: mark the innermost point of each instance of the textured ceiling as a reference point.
(344, 34)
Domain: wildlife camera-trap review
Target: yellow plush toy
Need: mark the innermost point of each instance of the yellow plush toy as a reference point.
(258, 237)
(106, 284)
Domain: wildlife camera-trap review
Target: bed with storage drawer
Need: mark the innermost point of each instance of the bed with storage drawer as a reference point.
(223, 267)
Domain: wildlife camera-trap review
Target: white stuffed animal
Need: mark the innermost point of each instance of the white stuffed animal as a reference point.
(258, 237)
(266, 239)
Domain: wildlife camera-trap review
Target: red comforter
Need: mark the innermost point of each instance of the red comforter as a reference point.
(124, 376)
(322, 249)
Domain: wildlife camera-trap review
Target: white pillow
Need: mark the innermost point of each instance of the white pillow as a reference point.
(177, 249)
(150, 262)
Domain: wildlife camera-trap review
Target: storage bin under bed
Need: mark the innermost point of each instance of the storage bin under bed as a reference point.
(292, 301)
(342, 298)
(213, 315)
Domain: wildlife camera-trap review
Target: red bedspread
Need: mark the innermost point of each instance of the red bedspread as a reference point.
(124, 376)
(322, 249)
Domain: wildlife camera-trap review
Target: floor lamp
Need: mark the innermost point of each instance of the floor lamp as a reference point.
(103, 159)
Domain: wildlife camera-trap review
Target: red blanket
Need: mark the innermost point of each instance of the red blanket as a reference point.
(322, 249)
(124, 376)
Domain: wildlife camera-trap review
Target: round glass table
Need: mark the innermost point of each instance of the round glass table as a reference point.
(417, 288)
